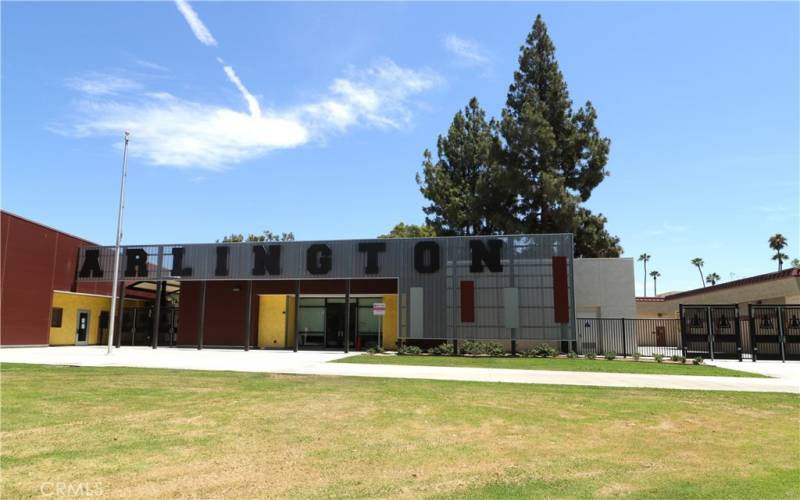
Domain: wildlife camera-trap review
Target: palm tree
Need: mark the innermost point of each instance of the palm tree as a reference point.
(655, 275)
(644, 258)
(698, 263)
(712, 278)
(778, 242)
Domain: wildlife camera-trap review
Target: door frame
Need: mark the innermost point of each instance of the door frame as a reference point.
(88, 325)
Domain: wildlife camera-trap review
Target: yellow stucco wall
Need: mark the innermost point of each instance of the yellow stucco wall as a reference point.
(390, 322)
(71, 303)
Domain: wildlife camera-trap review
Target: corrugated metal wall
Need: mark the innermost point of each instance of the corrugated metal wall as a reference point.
(526, 265)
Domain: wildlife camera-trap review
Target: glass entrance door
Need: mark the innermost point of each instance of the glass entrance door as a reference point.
(335, 321)
(82, 333)
(334, 325)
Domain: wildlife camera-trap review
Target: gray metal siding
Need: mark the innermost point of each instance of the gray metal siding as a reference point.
(526, 260)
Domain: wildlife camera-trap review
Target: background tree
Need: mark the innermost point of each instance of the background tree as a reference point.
(698, 263)
(462, 184)
(778, 242)
(796, 263)
(643, 259)
(712, 278)
(655, 275)
(553, 157)
(264, 236)
(410, 231)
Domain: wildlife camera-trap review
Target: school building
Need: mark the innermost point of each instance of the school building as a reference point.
(341, 294)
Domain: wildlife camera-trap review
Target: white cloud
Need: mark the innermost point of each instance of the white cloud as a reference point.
(467, 51)
(150, 65)
(252, 102)
(101, 84)
(198, 28)
(166, 130)
(172, 131)
(378, 96)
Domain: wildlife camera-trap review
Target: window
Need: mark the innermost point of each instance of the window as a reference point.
(55, 320)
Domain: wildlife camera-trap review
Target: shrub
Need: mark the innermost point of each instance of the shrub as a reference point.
(408, 350)
(443, 349)
(540, 351)
(375, 350)
(610, 355)
(572, 355)
(636, 356)
(591, 355)
(482, 348)
(659, 358)
(698, 360)
(681, 359)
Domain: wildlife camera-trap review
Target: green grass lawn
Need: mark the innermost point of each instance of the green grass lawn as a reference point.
(563, 364)
(168, 433)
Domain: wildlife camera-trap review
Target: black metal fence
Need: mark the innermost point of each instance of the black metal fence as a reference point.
(707, 331)
(711, 331)
(626, 337)
(774, 331)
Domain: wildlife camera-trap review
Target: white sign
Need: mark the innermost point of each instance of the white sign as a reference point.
(378, 309)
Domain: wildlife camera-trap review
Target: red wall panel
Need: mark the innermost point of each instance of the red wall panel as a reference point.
(36, 260)
(560, 290)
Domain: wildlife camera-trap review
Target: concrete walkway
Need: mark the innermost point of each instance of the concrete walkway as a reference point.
(316, 363)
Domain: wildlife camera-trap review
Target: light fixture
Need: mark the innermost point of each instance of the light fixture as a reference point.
(236, 289)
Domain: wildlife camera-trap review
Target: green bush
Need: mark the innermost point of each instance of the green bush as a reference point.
(591, 355)
(681, 359)
(408, 350)
(636, 356)
(375, 350)
(610, 355)
(572, 355)
(540, 351)
(443, 349)
(482, 348)
(698, 360)
(659, 358)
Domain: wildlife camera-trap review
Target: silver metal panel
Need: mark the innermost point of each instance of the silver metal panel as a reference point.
(416, 298)
(526, 261)
(511, 307)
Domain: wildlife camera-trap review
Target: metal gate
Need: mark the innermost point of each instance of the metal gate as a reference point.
(775, 331)
(711, 331)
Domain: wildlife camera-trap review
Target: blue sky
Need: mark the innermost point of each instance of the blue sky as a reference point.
(312, 118)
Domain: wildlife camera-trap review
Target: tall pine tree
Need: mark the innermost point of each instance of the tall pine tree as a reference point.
(555, 155)
(463, 183)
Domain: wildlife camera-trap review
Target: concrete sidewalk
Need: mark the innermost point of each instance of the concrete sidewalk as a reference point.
(316, 363)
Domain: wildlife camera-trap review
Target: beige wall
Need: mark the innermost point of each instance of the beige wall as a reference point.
(778, 291)
(604, 288)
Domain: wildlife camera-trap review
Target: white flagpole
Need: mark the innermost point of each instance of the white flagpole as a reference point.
(116, 247)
